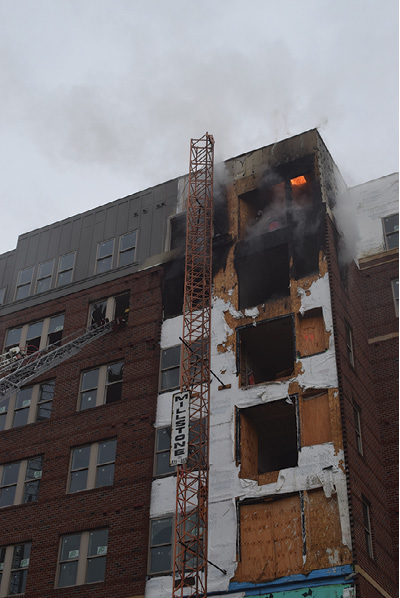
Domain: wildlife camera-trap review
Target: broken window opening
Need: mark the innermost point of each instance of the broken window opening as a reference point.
(266, 351)
(302, 190)
(263, 276)
(178, 230)
(262, 210)
(173, 288)
(122, 306)
(268, 437)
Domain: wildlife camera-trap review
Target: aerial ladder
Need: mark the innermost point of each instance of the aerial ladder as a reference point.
(191, 521)
(19, 367)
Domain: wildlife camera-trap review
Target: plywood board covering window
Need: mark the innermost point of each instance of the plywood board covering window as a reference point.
(270, 540)
(315, 419)
(311, 333)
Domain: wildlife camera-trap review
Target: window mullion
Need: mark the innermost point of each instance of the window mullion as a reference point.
(10, 412)
(101, 388)
(83, 550)
(45, 333)
(91, 479)
(24, 334)
(110, 308)
(19, 491)
(33, 405)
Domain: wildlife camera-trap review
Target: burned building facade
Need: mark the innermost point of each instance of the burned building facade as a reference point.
(302, 466)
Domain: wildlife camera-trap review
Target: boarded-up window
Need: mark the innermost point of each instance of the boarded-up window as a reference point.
(323, 531)
(311, 337)
(315, 419)
(270, 540)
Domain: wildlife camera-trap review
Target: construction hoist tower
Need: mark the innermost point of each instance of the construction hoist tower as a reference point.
(190, 546)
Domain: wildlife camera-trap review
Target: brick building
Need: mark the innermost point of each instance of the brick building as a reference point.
(303, 453)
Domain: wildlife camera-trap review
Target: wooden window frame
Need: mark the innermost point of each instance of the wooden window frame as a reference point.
(102, 385)
(151, 545)
(60, 271)
(106, 256)
(126, 249)
(366, 507)
(8, 569)
(349, 344)
(164, 369)
(81, 558)
(92, 467)
(22, 480)
(48, 277)
(33, 408)
(21, 285)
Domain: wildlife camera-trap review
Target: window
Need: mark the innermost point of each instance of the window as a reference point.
(266, 350)
(36, 335)
(2, 295)
(44, 275)
(83, 558)
(29, 405)
(160, 557)
(127, 249)
(24, 283)
(366, 506)
(110, 308)
(357, 428)
(92, 466)
(162, 452)
(391, 231)
(395, 290)
(101, 385)
(14, 563)
(268, 438)
(65, 269)
(105, 251)
(20, 482)
(349, 343)
(170, 368)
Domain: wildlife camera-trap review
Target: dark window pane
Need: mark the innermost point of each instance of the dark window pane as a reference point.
(128, 241)
(162, 464)
(80, 457)
(23, 398)
(46, 391)
(3, 412)
(46, 269)
(23, 292)
(44, 411)
(107, 452)
(20, 417)
(392, 240)
(170, 379)
(34, 330)
(66, 262)
(171, 357)
(31, 491)
(68, 574)
(104, 265)
(13, 336)
(21, 555)
(56, 323)
(127, 257)
(105, 475)
(96, 569)
(7, 496)
(43, 285)
(88, 399)
(70, 547)
(161, 531)
(78, 480)
(64, 277)
(98, 312)
(25, 276)
(114, 392)
(98, 541)
(10, 474)
(121, 305)
(18, 582)
(163, 439)
(90, 379)
(34, 469)
(105, 248)
(114, 372)
(391, 223)
(160, 559)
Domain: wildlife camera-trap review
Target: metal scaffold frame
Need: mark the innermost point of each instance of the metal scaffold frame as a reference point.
(191, 521)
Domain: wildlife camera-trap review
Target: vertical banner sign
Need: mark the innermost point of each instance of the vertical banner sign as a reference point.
(180, 428)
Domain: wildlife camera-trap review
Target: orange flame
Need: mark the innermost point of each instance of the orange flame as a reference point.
(299, 180)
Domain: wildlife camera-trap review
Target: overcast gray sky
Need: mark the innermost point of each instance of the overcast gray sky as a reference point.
(99, 98)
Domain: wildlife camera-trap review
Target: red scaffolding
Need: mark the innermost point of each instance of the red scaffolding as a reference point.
(190, 546)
